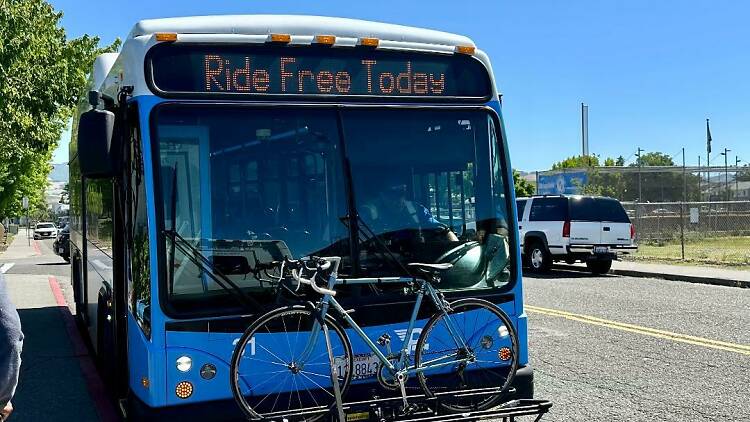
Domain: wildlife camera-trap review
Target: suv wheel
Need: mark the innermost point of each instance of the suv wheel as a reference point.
(538, 258)
(599, 266)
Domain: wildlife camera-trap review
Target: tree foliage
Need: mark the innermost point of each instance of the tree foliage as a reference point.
(42, 73)
(665, 185)
(522, 186)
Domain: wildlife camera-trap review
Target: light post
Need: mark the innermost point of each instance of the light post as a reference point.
(737, 162)
(638, 154)
(726, 171)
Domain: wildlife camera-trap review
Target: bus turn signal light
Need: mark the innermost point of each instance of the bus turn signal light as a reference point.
(166, 36)
(325, 39)
(184, 389)
(279, 38)
(504, 354)
(465, 49)
(368, 42)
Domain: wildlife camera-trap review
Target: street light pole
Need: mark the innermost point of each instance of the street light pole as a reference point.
(638, 154)
(726, 171)
(737, 162)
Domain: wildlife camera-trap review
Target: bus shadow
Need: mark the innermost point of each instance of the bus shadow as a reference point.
(564, 272)
(51, 386)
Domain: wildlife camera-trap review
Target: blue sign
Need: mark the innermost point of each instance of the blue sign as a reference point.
(562, 183)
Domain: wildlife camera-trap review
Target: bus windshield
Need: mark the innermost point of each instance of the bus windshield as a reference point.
(380, 187)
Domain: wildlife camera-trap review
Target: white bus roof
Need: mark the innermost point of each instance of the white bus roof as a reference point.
(296, 25)
(128, 68)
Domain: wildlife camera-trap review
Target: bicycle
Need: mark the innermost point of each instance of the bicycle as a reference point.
(285, 363)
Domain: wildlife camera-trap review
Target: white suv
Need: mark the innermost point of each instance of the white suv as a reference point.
(573, 228)
(45, 231)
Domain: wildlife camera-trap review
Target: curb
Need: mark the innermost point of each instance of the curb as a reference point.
(686, 278)
(94, 383)
(672, 277)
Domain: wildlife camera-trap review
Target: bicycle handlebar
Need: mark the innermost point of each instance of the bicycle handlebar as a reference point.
(320, 264)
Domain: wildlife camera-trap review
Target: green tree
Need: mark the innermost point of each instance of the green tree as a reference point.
(655, 159)
(42, 74)
(522, 186)
(577, 161)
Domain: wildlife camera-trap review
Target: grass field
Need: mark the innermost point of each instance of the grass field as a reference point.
(724, 251)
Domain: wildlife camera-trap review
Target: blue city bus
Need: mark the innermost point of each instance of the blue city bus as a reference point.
(258, 138)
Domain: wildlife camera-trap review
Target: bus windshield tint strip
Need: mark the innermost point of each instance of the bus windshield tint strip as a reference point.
(314, 71)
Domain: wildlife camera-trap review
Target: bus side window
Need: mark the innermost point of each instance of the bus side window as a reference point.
(139, 287)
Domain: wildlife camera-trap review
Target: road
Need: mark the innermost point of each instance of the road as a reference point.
(599, 357)
(605, 348)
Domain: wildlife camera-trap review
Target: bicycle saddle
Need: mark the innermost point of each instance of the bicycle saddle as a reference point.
(431, 268)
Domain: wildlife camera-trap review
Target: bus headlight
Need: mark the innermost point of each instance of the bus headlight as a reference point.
(184, 363)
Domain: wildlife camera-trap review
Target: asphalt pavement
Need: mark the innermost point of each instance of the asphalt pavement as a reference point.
(614, 348)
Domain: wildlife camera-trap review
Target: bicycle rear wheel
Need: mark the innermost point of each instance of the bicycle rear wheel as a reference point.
(491, 344)
(270, 375)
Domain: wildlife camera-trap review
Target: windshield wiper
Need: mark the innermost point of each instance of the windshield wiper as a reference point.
(204, 263)
(367, 235)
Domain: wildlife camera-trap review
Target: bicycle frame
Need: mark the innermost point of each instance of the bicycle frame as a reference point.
(424, 288)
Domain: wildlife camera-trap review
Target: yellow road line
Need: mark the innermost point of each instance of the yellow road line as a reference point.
(667, 335)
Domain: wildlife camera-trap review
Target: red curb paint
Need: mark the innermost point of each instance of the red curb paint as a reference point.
(37, 250)
(94, 383)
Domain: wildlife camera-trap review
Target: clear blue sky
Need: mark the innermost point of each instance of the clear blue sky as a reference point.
(651, 71)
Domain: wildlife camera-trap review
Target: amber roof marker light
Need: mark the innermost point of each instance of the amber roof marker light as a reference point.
(166, 36)
(469, 50)
(324, 39)
(368, 42)
(279, 38)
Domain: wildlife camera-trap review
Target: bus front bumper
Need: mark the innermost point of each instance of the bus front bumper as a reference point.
(227, 410)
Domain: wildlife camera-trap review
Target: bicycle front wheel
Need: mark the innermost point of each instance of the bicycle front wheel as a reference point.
(281, 368)
(467, 357)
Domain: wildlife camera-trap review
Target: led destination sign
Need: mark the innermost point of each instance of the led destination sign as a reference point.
(314, 71)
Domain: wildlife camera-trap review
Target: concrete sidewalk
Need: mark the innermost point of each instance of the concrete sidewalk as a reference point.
(53, 385)
(690, 273)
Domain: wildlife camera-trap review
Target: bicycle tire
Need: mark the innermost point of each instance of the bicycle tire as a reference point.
(342, 345)
(448, 381)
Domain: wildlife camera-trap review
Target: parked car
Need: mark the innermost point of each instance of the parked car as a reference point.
(590, 229)
(45, 230)
(61, 246)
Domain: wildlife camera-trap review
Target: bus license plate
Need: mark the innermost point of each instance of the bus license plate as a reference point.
(364, 365)
(601, 249)
(60, 250)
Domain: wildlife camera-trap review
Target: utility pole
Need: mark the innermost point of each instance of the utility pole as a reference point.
(726, 171)
(585, 130)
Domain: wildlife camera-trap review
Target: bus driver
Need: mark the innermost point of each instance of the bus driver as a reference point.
(389, 210)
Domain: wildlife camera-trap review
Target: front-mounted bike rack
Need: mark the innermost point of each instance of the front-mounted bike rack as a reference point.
(427, 409)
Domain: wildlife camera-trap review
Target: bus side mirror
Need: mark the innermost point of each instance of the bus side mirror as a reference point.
(96, 151)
